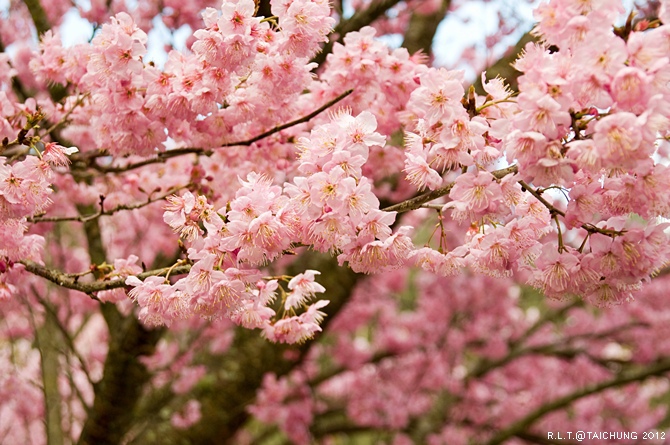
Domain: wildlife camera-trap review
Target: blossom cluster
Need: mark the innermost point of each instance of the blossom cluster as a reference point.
(332, 208)
(25, 190)
(223, 280)
(382, 79)
(593, 132)
(238, 65)
(286, 403)
(563, 186)
(593, 118)
(334, 203)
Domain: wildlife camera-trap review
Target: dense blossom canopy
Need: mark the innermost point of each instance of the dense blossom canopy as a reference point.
(470, 247)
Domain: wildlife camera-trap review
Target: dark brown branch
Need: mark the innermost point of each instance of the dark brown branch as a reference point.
(422, 28)
(102, 212)
(122, 384)
(160, 157)
(360, 19)
(522, 425)
(303, 119)
(263, 8)
(72, 282)
(418, 201)
(539, 197)
(554, 211)
(38, 15)
(124, 376)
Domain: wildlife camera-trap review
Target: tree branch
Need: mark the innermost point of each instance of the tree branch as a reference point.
(38, 15)
(67, 338)
(354, 23)
(101, 212)
(555, 211)
(122, 384)
(47, 339)
(124, 376)
(418, 201)
(559, 349)
(72, 282)
(89, 158)
(422, 28)
(522, 425)
(239, 373)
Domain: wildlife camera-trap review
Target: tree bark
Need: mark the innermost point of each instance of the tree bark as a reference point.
(124, 377)
(48, 339)
(422, 28)
(355, 23)
(122, 384)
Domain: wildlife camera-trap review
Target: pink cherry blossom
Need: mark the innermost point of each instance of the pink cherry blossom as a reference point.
(173, 219)
(303, 288)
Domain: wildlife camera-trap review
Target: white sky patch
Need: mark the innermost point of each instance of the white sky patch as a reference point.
(469, 26)
(347, 10)
(74, 29)
(392, 40)
(473, 21)
(159, 36)
(83, 4)
(464, 27)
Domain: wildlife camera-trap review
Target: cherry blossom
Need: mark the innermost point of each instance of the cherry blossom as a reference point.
(289, 230)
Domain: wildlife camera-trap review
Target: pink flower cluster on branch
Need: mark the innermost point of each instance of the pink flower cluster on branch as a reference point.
(578, 214)
(336, 209)
(239, 67)
(596, 145)
(332, 208)
(201, 181)
(25, 182)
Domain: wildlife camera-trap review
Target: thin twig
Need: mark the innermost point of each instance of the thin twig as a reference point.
(65, 280)
(101, 212)
(555, 211)
(418, 201)
(61, 122)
